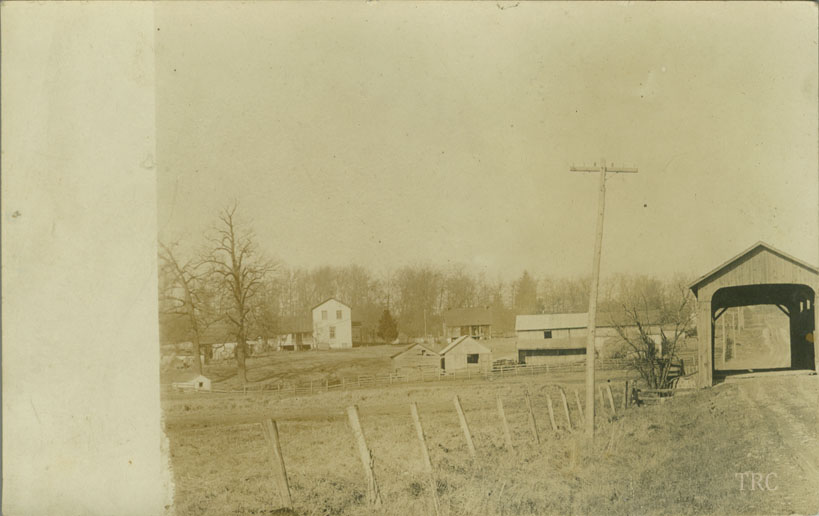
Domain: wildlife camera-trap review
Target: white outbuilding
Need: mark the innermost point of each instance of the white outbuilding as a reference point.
(193, 382)
(465, 353)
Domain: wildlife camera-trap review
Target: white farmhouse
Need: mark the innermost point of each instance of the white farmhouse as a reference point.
(332, 325)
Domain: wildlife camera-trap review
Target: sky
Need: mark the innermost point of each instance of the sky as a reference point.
(390, 134)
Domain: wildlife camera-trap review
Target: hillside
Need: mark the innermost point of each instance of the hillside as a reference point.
(681, 457)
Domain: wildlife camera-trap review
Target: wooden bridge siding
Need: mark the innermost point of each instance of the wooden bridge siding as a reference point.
(759, 268)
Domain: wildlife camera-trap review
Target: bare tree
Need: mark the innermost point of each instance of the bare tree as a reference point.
(241, 272)
(185, 294)
(653, 311)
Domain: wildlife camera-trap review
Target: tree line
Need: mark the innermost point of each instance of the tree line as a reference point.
(229, 290)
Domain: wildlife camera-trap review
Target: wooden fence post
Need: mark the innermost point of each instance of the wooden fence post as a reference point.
(625, 397)
(373, 495)
(425, 453)
(551, 412)
(532, 423)
(464, 426)
(611, 399)
(579, 405)
(507, 435)
(271, 434)
(566, 410)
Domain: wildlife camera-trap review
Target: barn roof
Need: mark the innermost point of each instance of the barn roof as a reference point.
(572, 321)
(699, 282)
(460, 340)
(551, 321)
(473, 316)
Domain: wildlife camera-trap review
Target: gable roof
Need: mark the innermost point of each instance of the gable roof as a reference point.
(696, 284)
(329, 299)
(461, 340)
(431, 349)
(189, 376)
(472, 316)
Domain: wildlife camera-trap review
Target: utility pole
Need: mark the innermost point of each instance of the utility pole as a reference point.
(598, 245)
(425, 324)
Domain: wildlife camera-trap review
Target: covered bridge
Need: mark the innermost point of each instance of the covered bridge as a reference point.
(760, 275)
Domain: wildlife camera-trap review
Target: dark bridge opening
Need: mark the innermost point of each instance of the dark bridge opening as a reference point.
(775, 334)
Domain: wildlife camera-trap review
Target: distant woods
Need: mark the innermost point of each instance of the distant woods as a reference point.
(229, 292)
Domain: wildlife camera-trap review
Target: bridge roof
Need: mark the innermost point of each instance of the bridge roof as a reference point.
(718, 271)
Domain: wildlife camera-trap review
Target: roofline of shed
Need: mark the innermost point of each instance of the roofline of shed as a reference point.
(412, 346)
(458, 341)
(694, 286)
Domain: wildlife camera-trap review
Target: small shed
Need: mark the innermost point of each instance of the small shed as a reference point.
(418, 357)
(192, 382)
(465, 352)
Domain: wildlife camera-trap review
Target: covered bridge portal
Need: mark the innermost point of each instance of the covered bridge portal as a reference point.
(761, 275)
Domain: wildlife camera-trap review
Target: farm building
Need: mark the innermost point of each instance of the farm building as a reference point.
(332, 325)
(460, 354)
(465, 352)
(192, 382)
(561, 338)
(296, 333)
(477, 322)
(760, 275)
(418, 357)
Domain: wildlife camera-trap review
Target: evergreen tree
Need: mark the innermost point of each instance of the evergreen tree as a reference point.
(387, 328)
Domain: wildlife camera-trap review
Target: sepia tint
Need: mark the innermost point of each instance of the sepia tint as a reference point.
(450, 258)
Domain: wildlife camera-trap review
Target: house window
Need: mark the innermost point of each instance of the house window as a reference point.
(338, 314)
(201, 384)
(332, 332)
(324, 315)
(547, 334)
(472, 358)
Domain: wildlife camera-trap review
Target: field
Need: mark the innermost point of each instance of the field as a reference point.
(679, 457)
(319, 366)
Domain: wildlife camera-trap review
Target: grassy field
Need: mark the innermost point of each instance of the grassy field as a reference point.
(680, 457)
(305, 366)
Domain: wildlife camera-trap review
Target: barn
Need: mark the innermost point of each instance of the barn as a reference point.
(760, 275)
(465, 353)
(561, 338)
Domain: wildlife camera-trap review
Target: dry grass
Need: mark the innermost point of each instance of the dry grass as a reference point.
(320, 365)
(677, 458)
(301, 366)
